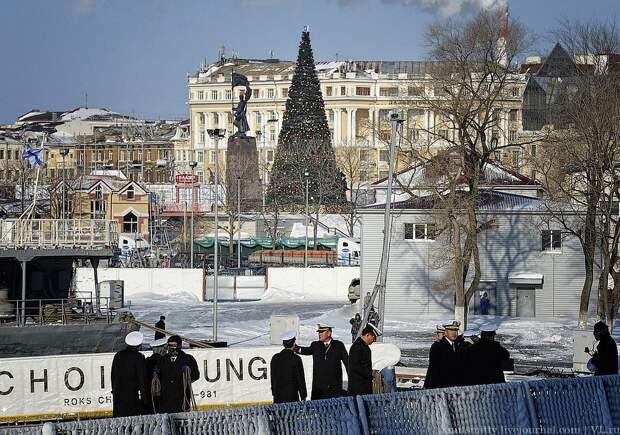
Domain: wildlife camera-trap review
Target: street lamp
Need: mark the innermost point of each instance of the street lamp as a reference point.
(259, 135)
(192, 165)
(63, 153)
(216, 134)
(306, 221)
(239, 222)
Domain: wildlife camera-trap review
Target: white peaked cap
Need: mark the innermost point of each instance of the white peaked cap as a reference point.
(159, 342)
(134, 338)
(470, 333)
(488, 328)
(288, 335)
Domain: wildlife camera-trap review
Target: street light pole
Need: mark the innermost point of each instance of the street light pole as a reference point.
(306, 222)
(216, 134)
(192, 164)
(63, 153)
(239, 222)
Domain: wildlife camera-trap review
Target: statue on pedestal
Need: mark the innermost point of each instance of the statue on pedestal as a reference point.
(240, 112)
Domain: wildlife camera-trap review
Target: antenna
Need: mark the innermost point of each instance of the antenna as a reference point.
(271, 54)
(220, 53)
(86, 100)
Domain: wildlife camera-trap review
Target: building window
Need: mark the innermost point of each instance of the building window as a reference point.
(414, 134)
(513, 115)
(330, 114)
(284, 93)
(271, 93)
(270, 156)
(258, 118)
(384, 155)
(216, 119)
(533, 151)
(512, 135)
(419, 231)
(131, 193)
(440, 91)
(362, 90)
(443, 133)
(201, 95)
(213, 157)
(214, 95)
(516, 158)
(130, 223)
(328, 91)
(343, 90)
(551, 240)
(498, 155)
(200, 156)
(366, 155)
(202, 136)
(228, 94)
(415, 91)
(515, 92)
(1, 154)
(388, 92)
(272, 135)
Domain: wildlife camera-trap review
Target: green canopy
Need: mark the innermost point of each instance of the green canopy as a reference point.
(256, 243)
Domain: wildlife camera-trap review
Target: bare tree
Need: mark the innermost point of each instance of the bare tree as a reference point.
(350, 163)
(580, 163)
(471, 78)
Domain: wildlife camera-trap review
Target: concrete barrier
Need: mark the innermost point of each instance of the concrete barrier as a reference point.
(320, 283)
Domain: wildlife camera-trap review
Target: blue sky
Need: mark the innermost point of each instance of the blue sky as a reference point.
(132, 56)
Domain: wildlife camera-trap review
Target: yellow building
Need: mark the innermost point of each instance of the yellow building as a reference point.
(105, 196)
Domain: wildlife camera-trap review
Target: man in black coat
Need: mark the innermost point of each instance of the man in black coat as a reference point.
(129, 379)
(360, 362)
(605, 358)
(487, 359)
(177, 370)
(288, 383)
(443, 360)
(161, 324)
(328, 355)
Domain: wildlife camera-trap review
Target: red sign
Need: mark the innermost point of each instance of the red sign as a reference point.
(186, 179)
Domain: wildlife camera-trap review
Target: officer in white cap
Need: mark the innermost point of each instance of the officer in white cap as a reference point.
(328, 357)
(129, 378)
(487, 357)
(443, 359)
(288, 383)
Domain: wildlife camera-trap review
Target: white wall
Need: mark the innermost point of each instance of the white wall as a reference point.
(318, 283)
(323, 282)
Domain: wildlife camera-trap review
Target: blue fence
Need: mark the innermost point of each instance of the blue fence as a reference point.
(578, 405)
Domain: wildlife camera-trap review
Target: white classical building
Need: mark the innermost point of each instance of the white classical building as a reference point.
(358, 98)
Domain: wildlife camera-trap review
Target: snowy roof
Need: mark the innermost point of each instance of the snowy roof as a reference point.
(493, 174)
(83, 114)
(87, 182)
(487, 200)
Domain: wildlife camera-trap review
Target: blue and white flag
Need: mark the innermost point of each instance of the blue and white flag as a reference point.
(33, 155)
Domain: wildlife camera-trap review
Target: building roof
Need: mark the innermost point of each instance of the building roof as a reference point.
(487, 200)
(87, 182)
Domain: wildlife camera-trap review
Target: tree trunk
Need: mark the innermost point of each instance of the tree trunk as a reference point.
(459, 285)
(588, 247)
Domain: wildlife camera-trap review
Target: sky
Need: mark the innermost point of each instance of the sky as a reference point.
(133, 56)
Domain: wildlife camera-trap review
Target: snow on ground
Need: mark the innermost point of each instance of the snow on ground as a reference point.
(534, 344)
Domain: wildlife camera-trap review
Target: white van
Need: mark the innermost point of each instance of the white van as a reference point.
(349, 252)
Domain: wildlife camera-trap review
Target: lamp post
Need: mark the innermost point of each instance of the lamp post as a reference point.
(192, 165)
(306, 222)
(63, 153)
(259, 135)
(239, 222)
(216, 134)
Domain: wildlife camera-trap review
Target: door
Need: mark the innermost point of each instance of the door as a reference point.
(526, 302)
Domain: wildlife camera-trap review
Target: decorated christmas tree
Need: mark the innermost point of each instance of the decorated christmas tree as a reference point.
(304, 149)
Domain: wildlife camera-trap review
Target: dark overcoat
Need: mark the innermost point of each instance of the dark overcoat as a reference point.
(606, 356)
(174, 394)
(443, 366)
(487, 358)
(129, 383)
(161, 325)
(327, 363)
(288, 383)
(360, 368)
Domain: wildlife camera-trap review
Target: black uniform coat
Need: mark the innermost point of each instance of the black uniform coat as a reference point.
(443, 366)
(171, 378)
(606, 357)
(360, 368)
(486, 358)
(129, 383)
(161, 325)
(288, 383)
(327, 368)
(151, 366)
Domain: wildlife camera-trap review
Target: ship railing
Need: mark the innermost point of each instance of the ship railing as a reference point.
(79, 309)
(58, 233)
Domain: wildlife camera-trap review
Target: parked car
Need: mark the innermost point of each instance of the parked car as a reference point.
(354, 290)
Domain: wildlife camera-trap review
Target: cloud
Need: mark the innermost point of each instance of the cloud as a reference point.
(83, 7)
(447, 8)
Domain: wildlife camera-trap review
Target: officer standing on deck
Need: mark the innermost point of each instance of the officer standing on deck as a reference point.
(443, 361)
(177, 371)
(161, 324)
(288, 383)
(328, 356)
(360, 362)
(129, 379)
(487, 358)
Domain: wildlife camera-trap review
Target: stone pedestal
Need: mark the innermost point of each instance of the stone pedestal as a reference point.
(242, 162)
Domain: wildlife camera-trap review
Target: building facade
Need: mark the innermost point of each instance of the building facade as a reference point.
(358, 95)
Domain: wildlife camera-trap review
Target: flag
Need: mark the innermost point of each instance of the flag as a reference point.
(32, 155)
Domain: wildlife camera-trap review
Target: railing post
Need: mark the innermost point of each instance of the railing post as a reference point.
(62, 311)
(40, 313)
